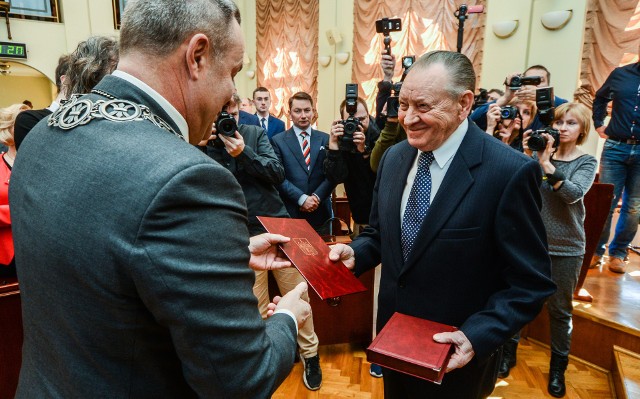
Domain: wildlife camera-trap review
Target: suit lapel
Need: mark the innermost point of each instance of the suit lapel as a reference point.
(453, 189)
(316, 143)
(294, 145)
(271, 127)
(396, 188)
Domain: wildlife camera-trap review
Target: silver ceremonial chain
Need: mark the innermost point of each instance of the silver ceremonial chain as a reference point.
(76, 112)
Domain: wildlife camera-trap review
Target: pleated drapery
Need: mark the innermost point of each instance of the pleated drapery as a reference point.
(287, 49)
(426, 25)
(611, 39)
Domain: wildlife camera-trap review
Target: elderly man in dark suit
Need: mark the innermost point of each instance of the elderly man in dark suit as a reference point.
(456, 223)
(262, 101)
(306, 191)
(131, 244)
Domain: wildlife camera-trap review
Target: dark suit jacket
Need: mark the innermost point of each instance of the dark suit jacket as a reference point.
(25, 121)
(134, 279)
(274, 126)
(245, 118)
(300, 180)
(259, 171)
(480, 260)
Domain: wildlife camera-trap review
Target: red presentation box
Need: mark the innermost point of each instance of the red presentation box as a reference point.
(310, 255)
(406, 344)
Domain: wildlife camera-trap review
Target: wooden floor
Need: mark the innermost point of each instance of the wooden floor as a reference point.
(616, 297)
(346, 375)
(616, 302)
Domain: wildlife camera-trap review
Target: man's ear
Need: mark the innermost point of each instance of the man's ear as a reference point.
(466, 103)
(197, 55)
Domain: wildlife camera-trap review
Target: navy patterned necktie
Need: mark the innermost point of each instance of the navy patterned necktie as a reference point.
(263, 120)
(417, 204)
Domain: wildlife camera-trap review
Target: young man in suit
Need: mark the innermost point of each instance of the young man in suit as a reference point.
(456, 223)
(262, 101)
(306, 191)
(145, 235)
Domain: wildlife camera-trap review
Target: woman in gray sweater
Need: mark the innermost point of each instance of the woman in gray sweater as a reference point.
(568, 175)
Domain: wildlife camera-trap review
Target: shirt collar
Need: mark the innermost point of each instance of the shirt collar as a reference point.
(54, 106)
(297, 130)
(173, 113)
(449, 148)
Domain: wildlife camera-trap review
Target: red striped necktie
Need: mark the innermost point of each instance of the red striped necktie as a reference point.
(306, 150)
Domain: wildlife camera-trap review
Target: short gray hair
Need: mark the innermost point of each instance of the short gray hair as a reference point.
(462, 77)
(159, 27)
(89, 63)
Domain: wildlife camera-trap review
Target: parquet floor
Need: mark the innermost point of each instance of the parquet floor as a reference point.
(346, 375)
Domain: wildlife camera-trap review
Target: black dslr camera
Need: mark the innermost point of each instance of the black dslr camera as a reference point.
(519, 80)
(508, 112)
(392, 102)
(351, 123)
(545, 101)
(226, 124)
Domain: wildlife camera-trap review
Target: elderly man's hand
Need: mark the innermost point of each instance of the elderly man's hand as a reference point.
(344, 253)
(463, 349)
(265, 254)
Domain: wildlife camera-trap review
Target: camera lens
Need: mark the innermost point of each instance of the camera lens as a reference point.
(537, 142)
(508, 112)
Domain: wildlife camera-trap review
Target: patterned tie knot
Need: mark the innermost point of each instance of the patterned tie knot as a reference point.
(304, 134)
(425, 160)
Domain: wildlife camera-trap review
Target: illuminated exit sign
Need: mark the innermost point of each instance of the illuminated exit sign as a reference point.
(13, 50)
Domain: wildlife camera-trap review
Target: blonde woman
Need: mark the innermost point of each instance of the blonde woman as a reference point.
(7, 121)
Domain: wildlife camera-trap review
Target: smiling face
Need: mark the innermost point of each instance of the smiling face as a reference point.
(428, 112)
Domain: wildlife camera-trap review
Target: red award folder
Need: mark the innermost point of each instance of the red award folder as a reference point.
(406, 344)
(310, 255)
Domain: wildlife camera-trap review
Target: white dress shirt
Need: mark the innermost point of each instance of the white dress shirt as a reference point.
(443, 156)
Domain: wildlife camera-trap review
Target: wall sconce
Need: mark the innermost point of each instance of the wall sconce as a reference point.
(324, 60)
(555, 20)
(251, 74)
(505, 29)
(342, 57)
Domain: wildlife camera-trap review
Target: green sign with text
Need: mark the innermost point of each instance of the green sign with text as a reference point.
(13, 50)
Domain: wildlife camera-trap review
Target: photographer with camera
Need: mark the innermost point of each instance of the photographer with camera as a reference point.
(569, 173)
(387, 108)
(348, 160)
(246, 152)
(506, 123)
(521, 86)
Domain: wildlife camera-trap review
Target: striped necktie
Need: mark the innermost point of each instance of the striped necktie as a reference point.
(262, 121)
(306, 150)
(417, 204)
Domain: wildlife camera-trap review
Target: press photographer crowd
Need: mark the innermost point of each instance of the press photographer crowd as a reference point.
(139, 189)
